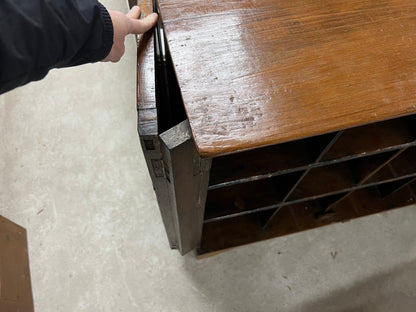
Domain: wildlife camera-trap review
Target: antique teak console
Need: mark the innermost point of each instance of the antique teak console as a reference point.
(264, 118)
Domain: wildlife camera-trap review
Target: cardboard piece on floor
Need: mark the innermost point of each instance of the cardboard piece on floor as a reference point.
(15, 286)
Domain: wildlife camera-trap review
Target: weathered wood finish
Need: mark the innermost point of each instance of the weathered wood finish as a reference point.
(305, 108)
(187, 176)
(246, 229)
(15, 286)
(255, 73)
(323, 178)
(179, 175)
(261, 207)
(147, 128)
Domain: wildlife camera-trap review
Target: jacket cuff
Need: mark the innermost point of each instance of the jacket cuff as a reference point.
(108, 33)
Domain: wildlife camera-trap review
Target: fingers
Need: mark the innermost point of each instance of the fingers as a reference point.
(143, 25)
(134, 12)
(139, 26)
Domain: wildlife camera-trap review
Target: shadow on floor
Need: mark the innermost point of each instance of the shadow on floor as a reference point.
(394, 290)
(257, 283)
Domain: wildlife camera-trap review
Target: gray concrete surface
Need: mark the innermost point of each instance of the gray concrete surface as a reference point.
(72, 173)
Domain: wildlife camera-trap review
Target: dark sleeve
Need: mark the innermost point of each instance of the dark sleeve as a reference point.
(38, 35)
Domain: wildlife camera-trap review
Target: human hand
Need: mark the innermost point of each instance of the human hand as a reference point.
(125, 24)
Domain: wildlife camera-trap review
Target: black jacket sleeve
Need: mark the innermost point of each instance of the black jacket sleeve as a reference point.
(38, 35)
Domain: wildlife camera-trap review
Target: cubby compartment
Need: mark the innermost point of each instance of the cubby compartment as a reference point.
(402, 194)
(403, 165)
(365, 167)
(388, 190)
(330, 179)
(373, 138)
(244, 229)
(374, 199)
(324, 180)
(300, 185)
(233, 200)
(312, 214)
(390, 135)
(267, 161)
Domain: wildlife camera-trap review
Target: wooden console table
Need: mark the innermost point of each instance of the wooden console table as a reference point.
(264, 118)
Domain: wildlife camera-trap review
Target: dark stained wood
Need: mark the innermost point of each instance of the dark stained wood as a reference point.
(146, 89)
(153, 155)
(187, 177)
(255, 73)
(333, 139)
(338, 194)
(296, 104)
(312, 214)
(152, 122)
(248, 196)
(148, 127)
(368, 201)
(364, 168)
(267, 160)
(340, 176)
(243, 230)
(329, 184)
(324, 180)
(404, 164)
(372, 137)
(391, 135)
(390, 189)
(15, 286)
(228, 233)
(404, 194)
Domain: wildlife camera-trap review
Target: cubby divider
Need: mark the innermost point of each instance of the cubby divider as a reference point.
(291, 187)
(248, 196)
(403, 164)
(244, 229)
(372, 137)
(266, 162)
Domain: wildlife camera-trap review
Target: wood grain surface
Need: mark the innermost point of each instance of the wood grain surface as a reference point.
(146, 90)
(257, 73)
(15, 286)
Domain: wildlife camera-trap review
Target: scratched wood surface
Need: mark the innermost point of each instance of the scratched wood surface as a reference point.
(146, 90)
(256, 73)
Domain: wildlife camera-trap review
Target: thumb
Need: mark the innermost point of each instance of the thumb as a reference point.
(139, 26)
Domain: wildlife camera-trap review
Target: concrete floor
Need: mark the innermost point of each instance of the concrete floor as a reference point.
(73, 174)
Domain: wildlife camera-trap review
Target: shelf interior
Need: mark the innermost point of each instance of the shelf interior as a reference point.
(291, 187)
(294, 218)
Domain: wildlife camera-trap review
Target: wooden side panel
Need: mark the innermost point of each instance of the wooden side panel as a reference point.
(148, 124)
(15, 287)
(153, 155)
(187, 175)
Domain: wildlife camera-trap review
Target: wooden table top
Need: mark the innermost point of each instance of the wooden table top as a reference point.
(261, 72)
